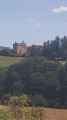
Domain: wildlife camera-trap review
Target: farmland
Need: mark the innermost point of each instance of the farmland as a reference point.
(50, 114)
(6, 61)
(56, 114)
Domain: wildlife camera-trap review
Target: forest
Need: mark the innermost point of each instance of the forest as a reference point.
(43, 81)
(55, 49)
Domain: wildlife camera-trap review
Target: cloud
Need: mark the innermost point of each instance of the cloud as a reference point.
(60, 9)
(31, 19)
(37, 24)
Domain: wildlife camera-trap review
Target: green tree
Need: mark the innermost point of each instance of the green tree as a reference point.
(35, 51)
(35, 75)
(37, 100)
(6, 52)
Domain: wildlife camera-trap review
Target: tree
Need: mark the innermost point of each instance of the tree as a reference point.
(63, 84)
(47, 50)
(35, 75)
(6, 52)
(35, 50)
(37, 100)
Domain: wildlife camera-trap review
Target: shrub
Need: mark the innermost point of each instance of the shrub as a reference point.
(5, 115)
(16, 104)
(38, 113)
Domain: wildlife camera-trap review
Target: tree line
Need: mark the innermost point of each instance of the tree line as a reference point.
(55, 49)
(52, 49)
(43, 81)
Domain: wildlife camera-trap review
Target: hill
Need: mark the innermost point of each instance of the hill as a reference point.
(3, 47)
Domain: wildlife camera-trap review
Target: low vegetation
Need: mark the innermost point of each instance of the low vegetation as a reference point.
(17, 111)
(49, 114)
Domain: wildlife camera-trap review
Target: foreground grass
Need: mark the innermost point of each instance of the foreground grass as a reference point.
(6, 61)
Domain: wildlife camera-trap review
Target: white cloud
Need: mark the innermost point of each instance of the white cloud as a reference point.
(31, 19)
(60, 9)
(37, 24)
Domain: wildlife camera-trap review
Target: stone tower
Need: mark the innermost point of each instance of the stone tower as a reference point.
(20, 48)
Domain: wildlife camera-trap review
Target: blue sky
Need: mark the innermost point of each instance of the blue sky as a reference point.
(33, 21)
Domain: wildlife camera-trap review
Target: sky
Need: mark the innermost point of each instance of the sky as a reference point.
(34, 21)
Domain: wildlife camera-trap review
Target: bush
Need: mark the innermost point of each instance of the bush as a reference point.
(16, 104)
(38, 113)
(5, 115)
(18, 101)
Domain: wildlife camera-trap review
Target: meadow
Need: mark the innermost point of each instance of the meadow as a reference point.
(6, 61)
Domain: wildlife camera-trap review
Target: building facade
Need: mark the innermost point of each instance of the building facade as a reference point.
(20, 48)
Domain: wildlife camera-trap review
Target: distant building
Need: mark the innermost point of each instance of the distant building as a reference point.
(20, 48)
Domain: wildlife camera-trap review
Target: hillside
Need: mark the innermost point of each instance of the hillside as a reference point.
(3, 47)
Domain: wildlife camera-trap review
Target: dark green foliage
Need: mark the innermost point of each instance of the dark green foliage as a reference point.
(5, 98)
(43, 81)
(55, 49)
(38, 100)
(33, 76)
(54, 103)
(6, 52)
(35, 51)
(63, 84)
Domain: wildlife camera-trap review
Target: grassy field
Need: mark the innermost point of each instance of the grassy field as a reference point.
(6, 61)
(63, 62)
(50, 114)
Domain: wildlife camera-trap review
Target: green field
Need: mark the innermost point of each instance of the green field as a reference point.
(6, 61)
